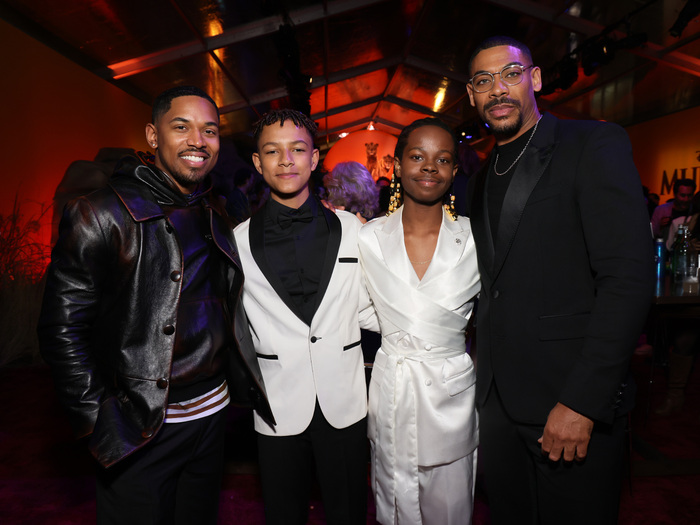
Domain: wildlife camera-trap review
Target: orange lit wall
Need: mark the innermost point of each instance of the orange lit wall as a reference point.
(667, 148)
(54, 113)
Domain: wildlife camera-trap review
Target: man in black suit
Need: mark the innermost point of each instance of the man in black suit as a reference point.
(565, 255)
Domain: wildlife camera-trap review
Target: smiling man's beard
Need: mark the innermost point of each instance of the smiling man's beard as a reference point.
(502, 128)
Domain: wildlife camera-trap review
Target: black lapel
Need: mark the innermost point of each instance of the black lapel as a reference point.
(480, 219)
(335, 233)
(527, 174)
(257, 248)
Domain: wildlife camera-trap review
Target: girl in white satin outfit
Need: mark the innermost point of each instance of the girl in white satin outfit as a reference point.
(421, 270)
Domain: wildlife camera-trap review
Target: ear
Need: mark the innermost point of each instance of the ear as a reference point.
(397, 168)
(257, 163)
(314, 159)
(470, 92)
(151, 135)
(536, 78)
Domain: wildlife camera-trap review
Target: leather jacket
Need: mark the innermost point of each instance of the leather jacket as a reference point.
(110, 307)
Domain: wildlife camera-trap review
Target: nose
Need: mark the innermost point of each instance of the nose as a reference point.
(429, 166)
(286, 158)
(196, 139)
(499, 87)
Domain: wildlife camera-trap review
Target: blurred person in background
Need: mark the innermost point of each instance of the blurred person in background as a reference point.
(350, 187)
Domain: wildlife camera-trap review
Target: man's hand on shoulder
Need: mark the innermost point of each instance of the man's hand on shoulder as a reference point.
(566, 434)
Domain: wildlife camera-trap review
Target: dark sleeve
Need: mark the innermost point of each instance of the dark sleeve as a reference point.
(616, 231)
(77, 269)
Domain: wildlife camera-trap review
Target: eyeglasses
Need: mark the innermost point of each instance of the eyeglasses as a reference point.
(511, 75)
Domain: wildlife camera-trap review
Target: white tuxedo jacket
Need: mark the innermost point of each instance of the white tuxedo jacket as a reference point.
(302, 363)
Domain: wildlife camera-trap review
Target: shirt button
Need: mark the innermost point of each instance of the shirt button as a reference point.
(162, 383)
(496, 293)
(175, 275)
(428, 382)
(400, 361)
(168, 329)
(314, 339)
(428, 347)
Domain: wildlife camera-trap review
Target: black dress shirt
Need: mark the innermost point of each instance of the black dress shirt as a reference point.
(497, 185)
(295, 244)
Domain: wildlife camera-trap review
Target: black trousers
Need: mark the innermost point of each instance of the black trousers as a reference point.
(526, 488)
(339, 458)
(174, 479)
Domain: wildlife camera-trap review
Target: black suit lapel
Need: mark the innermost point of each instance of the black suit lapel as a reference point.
(334, 236)
(480, 220)
(527, 174)
(257, 248)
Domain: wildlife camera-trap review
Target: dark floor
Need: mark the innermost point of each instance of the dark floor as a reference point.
(45, 477)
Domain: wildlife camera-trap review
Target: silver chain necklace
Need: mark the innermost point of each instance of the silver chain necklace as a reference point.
(521, 153)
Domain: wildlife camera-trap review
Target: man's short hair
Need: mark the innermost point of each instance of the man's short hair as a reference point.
(496, 41)
(280, 115)
(162, 103)
(690, 183)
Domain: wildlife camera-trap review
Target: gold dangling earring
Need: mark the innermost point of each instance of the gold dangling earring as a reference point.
(450, 207)
(395, 197)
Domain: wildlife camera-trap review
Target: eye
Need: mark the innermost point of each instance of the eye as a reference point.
(416, 157)
(211, 132)
(513, 73)
(270, 152)
(482, 80)
(299, 150)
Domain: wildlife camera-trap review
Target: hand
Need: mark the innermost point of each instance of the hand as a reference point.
(664, 221)
(359, 216)
(330, 206)
(566, 434)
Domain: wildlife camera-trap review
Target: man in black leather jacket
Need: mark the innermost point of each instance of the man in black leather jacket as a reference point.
(138, 319)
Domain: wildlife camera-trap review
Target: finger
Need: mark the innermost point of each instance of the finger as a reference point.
(581, 451)
(555, 453)
(569, 453)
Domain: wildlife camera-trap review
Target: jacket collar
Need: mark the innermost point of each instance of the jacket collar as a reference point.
(450, 247)
(143, 189)
(526, 176)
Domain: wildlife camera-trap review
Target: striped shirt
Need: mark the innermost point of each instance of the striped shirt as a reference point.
(198, 407)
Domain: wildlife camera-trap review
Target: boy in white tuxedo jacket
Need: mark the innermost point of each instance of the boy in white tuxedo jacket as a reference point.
(306, 302)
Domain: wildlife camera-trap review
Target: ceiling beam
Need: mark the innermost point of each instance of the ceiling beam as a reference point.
(242, 33)
(666, 56)
(317, 82)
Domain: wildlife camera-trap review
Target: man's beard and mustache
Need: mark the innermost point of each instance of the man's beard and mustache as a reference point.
(193, 176)
(502, 127)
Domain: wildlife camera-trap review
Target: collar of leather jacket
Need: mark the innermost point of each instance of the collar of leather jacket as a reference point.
(143, 189)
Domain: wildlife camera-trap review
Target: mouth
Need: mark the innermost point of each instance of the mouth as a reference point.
(427, 181)
(501, 108)
(195, 158)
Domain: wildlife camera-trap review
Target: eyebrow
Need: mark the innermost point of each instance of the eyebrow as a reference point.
(514, 63)
(187, 121)
(271, 143)
(439, 151)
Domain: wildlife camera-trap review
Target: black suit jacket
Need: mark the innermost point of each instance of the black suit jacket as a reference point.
(567, 283)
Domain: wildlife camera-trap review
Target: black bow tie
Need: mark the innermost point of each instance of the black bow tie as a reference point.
(286, 218)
